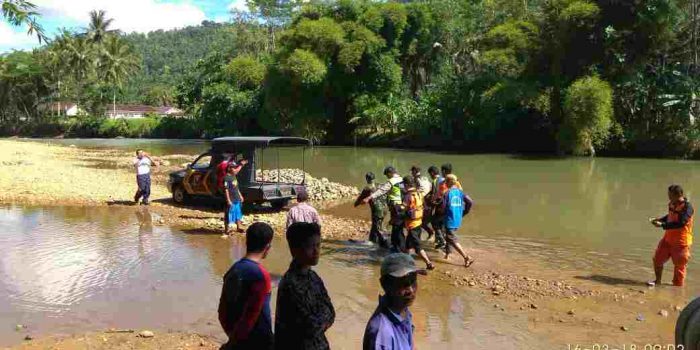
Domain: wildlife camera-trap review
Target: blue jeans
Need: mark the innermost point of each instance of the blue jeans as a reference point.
(144, 184)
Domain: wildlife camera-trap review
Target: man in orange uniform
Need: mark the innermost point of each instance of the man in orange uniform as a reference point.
(412, 207)
(678, 238)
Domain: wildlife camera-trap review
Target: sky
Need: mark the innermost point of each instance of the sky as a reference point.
(129, 16)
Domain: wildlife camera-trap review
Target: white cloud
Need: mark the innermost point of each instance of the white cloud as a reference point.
(15, 38)
(129, 15)
(239, 5)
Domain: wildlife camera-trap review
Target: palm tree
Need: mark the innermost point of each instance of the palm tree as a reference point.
(117, 62)
(22, 12)
(99, 27)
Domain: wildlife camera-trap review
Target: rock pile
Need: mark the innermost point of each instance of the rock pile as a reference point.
(318, 189)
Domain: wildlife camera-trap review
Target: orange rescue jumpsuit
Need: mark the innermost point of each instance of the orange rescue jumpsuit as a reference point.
(678, 238)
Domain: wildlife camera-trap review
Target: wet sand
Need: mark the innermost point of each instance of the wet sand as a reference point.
(559, 305)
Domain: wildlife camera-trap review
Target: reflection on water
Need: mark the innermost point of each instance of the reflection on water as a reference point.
(67, 270)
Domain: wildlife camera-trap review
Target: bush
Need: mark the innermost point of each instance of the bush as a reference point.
(588, 113)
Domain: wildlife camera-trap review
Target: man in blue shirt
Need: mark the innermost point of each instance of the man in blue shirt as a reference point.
(391, 325)
(456, 204)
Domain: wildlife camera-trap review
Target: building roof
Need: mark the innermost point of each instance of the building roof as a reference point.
(233, 142)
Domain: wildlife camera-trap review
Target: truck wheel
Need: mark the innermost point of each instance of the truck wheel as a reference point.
(279, 204)
(180, 196)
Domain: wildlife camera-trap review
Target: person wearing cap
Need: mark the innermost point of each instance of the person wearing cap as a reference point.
(391, 324)
(377, 208)
(456, 204)
(234, 200)
(392, 190)
(303, 211)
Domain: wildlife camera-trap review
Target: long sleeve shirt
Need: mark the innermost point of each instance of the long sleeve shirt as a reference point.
(304, 311)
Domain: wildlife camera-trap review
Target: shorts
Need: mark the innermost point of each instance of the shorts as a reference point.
(413, 239)
(234, 212)
(450, 235)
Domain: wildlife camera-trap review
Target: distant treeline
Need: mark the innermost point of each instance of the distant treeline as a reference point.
(554, 76)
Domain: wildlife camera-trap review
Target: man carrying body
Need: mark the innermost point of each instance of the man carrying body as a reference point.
(678, 238)
(391, 325)
(142, 163)
(456, 204)
(424, 187)
(377, 208)
(244, 307)
(437, 215)
(304, 309)
(392, 190)
(412, 207)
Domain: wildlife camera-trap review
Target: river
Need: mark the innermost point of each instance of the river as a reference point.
(587, 215)
(68, 269)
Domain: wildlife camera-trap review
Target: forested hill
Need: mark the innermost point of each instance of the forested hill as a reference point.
(168, 54)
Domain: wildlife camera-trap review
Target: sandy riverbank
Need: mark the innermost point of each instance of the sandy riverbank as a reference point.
(559, 306)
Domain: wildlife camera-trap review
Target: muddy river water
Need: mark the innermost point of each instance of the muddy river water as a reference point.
(67, 269)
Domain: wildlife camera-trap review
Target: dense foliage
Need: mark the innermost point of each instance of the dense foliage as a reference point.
(555, 76)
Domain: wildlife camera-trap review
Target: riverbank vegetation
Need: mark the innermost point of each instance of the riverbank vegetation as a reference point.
(562, 76)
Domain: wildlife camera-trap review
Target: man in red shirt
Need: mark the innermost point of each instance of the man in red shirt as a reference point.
(244, 307)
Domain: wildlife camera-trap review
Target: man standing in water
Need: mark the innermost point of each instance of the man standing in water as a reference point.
(303, 211)
(677, 239)
(244, 307)
(142, 164)
(391, 325)
(435, 199)
(456, 205)
(304, 309)
(424, 188)
(234, 200)
(392, 190)
(377, 207)
(412, 208)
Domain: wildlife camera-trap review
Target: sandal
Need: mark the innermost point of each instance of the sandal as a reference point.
(468, 262)
(430, 266)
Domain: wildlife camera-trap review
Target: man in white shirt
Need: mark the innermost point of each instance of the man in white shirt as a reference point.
(142, 164)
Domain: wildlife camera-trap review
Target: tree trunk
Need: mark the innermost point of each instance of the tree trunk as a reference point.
(114, 103)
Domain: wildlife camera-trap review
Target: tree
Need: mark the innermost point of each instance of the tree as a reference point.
(588, 115)
(23, 13)
(99, 28)
(117, 61)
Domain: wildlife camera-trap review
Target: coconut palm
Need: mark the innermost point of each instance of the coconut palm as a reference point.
(99, 28)
(117, 62)
(22, 12)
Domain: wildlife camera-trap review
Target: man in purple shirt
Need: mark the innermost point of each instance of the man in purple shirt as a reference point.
(391, 325)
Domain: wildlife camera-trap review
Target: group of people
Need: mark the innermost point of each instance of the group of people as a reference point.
(304, 309)
(416, 203)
